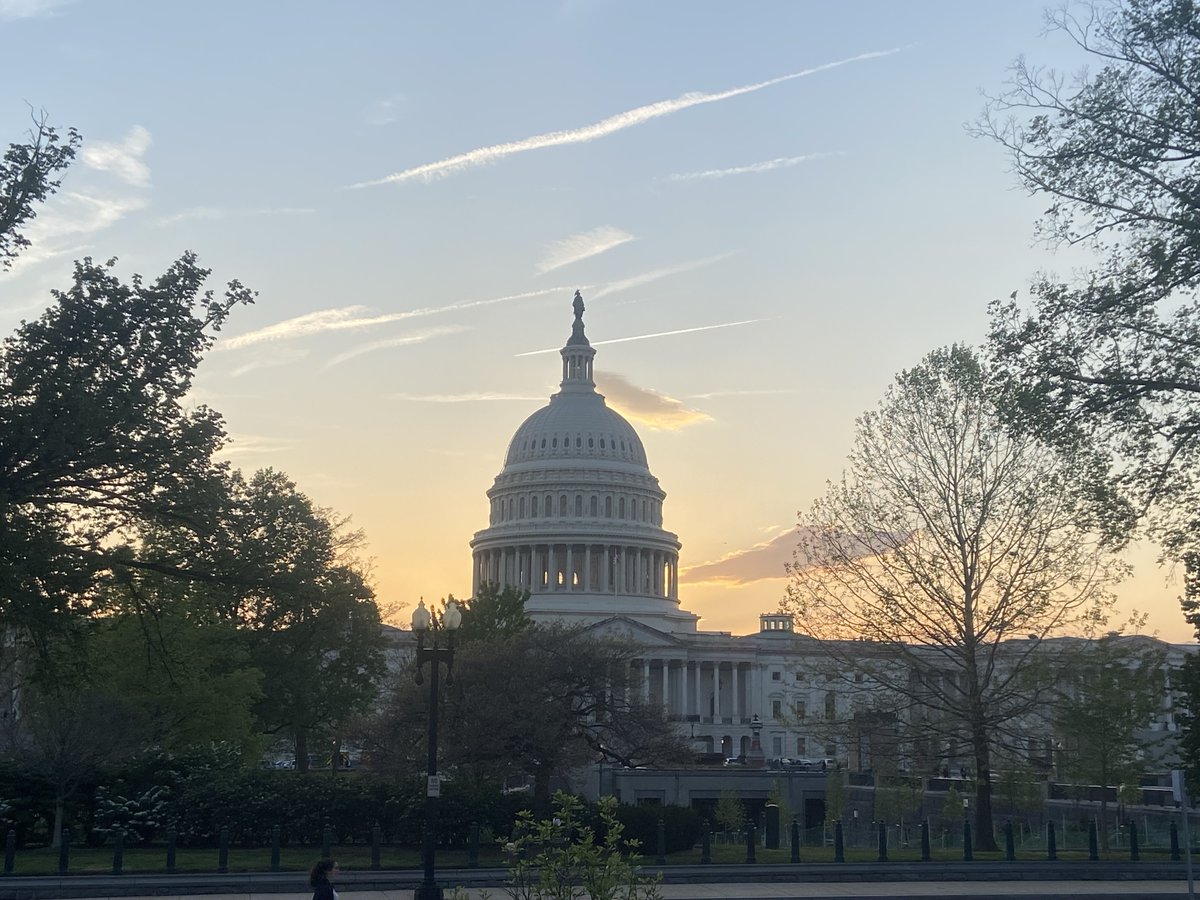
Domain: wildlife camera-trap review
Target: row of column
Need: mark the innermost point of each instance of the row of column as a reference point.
(707, 689)
(603, 568)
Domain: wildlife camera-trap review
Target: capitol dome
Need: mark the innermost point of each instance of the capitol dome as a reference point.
(576, 515)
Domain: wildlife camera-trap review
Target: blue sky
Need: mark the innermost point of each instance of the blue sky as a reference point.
(808, 236)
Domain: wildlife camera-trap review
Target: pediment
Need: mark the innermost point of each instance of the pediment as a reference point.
(626, 628)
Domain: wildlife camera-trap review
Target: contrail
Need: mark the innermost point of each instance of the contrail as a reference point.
(646, 337)
(603, 128)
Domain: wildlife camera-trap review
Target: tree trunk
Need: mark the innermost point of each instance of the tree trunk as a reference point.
(985, 836)
(541, 794)
(1103, 825)
(301, 750)
(60, 804)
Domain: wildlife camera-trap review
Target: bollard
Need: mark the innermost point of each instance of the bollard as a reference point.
(751, 843)
(926, 855)
(276, 846)
(10, 851)
(118, 852)
(706, 845)
(839, 844)
(795, 836)
(968, 849)
(1051, 843)
(1093, 847)
(772, 826)
(377, 841)
(472, 847)
(172, 840)
(223, 852)
(1174, 842)
(661, 858)
(883, 842)
(1010, 848)
(64, 851)
(1134, 855)
(327, 843)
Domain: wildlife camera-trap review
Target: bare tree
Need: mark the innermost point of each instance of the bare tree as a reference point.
(946, 550)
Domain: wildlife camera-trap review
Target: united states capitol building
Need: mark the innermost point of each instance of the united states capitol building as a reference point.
(577, 519)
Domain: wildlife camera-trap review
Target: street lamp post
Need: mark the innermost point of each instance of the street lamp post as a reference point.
(434, 655)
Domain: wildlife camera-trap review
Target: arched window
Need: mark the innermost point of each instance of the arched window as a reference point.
(578, 442)
(548, 509)
(579, 505)
(608, 506)
(593, 503)
(533, 507)
(521, 508)
(562, 505)
(621, 509)
(643, 510)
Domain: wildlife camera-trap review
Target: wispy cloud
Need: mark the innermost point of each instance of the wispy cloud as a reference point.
(403, 340)
(633, 281)
(73, 216)
(349, 318)
(384, 111)
(611, 125)
(650, 408)
(281, 356)
(783, 162)
(29, 9)
(763, 392)
(756, 563)
(123, 159)
(582, 246)
(646, 337)
(252, 445)
(216, 213)
(481, 397)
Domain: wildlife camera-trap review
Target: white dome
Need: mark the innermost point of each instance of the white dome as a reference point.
(576, 515)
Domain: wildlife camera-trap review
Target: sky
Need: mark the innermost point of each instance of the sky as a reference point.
(770, 210)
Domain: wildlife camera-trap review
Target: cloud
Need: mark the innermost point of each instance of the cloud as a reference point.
(613, 124)
(769, 165)
(582, 246)
(30, 9)
(215, 213)
(123, 159)
(646, 337)
(650, 408)
(251, 445)
(73, 215)
(482, 397)
(403, 340)
(352, 318)
(654, 275)
(757, 563)
(764, 392)
(385, 111)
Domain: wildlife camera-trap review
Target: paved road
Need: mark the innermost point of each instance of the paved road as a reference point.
(941, 890)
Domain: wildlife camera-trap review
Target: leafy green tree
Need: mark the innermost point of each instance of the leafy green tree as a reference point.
(1112, 691)
(945, 545)
(731, 812)
(29, 173)
(1108, 359)
(837, 795)
(493, 612)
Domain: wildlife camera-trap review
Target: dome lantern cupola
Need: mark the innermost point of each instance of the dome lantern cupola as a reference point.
(577, 355)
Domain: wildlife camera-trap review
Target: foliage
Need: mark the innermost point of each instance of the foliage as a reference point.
(537, 702)
(837, 795)
(565, 858)
(952, 806)
(493, 612)
(946, 545)
(29, 174)
(139, 818)
(1109, 359)
(1113, 689)
(898, 798)
(730, 813)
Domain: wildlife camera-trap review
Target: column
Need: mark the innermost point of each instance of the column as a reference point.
(699, 695)
(683, 689)
(646, 681)
(570, 581)
(666, 684)
(605, 578)
(475, 576)
(587, 567)
(733, 682)
(623, 582)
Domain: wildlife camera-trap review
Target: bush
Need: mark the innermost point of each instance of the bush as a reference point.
(682, 826)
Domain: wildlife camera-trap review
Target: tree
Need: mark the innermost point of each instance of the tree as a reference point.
(1111, 692)
(946, 551)
(493, 612)
(730, 812)
(29, 174)
(1110, 359)
(537, 702)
